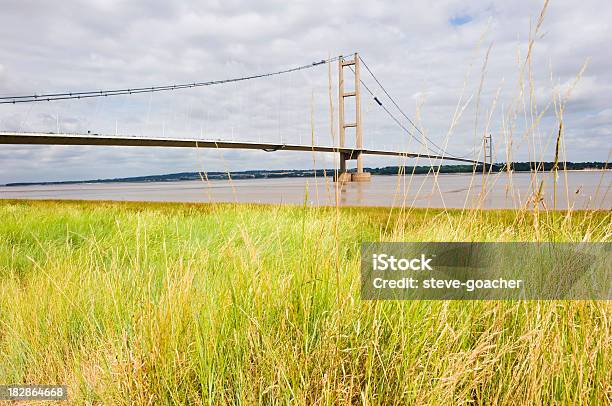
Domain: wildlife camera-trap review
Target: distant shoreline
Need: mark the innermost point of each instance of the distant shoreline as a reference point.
(309, 173)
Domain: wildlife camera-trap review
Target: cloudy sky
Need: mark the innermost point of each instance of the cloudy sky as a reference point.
(429, 55)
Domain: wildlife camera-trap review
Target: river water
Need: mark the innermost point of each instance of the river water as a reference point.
(576, 189)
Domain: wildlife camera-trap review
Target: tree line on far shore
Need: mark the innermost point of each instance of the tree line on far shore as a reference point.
(304, 173)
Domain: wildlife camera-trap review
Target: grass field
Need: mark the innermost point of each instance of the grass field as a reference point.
(135, 303)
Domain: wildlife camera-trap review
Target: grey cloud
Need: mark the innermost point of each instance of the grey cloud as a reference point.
(415, 51)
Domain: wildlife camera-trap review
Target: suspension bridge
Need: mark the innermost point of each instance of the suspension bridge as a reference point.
(344, 152)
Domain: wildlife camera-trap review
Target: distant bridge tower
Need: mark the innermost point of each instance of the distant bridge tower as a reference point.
(488, 151)
(343, 175)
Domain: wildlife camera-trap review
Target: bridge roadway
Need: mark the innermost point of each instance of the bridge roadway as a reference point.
(26, 138)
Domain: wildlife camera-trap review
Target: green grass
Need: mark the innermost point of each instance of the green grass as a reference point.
(136, 303)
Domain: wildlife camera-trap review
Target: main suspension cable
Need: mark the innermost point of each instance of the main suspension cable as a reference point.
(117, 92)
(397, 121)
(440, 150)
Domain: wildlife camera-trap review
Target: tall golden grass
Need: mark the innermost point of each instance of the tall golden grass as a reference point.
(134, 303)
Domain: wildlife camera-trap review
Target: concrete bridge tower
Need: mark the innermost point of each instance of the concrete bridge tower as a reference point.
(343, 175)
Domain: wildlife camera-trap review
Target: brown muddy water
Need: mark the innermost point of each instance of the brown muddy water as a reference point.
(575, 189)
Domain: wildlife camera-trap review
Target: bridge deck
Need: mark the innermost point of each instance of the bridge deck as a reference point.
(25, 138)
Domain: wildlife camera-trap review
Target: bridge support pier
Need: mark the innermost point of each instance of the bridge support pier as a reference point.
(361, 177)
(343, 175)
